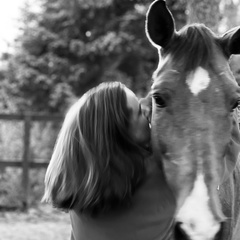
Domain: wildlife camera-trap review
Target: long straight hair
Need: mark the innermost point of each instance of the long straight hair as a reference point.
(95, 166)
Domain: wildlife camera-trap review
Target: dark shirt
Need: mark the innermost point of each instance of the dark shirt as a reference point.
(150, 216)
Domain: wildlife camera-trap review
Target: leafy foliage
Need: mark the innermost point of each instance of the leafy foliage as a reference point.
(72, 45)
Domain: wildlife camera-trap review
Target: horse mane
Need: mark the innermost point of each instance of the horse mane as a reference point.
(192, 47)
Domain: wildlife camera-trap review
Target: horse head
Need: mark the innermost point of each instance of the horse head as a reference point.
(194, 99)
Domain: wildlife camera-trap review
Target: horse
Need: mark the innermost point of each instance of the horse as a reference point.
(195, 133)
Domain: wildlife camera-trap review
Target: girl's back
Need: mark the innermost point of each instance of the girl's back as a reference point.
(149, 217)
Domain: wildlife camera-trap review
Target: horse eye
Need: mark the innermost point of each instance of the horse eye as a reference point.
(160, 101)
(236, 105)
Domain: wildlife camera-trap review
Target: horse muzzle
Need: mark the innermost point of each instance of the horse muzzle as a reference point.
(189, 231)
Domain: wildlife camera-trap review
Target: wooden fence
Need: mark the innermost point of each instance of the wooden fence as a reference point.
(26, 163)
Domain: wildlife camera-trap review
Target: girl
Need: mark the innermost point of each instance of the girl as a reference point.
(101, 170)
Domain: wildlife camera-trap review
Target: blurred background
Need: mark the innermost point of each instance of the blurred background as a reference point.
(51, 52)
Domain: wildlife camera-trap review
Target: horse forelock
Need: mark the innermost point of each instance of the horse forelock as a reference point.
(193, 46)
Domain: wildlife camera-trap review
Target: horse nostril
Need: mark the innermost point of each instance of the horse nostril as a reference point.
(220, 232)
(179, 233)
(192, 225)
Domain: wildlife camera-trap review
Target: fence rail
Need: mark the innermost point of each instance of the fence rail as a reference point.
(18, 164)
(33, 116)
(26, 163)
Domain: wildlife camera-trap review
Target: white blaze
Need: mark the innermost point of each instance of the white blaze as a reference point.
(195, 215)
(198, 80)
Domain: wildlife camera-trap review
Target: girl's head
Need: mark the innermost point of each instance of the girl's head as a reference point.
(98, 160)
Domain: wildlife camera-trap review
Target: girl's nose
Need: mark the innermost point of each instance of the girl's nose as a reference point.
(146, 105)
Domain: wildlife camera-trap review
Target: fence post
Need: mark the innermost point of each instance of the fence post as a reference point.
(26, 160)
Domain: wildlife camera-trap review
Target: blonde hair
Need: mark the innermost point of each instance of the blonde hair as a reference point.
(95, 165)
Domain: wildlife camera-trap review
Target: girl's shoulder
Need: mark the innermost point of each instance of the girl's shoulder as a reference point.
(153, 202)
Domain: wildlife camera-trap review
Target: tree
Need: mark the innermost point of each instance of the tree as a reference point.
(72, 45)
(204, 11)
(230, 14)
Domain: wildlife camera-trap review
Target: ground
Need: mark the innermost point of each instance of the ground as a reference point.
(42, 223)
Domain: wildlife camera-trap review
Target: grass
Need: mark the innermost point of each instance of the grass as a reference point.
(43, 223)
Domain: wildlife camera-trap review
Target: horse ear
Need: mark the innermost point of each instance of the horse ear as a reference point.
(230, 41)
(160, 25)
